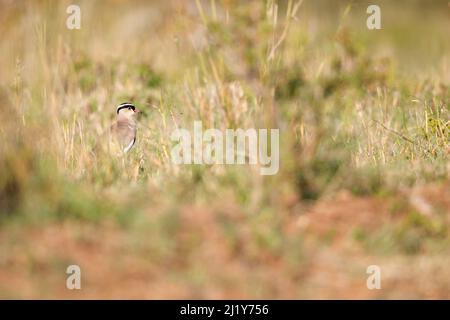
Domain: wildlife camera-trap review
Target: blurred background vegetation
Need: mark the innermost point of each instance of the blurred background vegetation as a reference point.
(364, 121)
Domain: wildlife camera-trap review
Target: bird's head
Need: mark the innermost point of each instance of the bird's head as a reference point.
(127, 110)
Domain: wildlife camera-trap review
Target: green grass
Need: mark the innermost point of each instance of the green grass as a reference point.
(359, 111)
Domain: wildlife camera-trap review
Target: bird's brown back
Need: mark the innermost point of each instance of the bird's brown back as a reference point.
(124, 131)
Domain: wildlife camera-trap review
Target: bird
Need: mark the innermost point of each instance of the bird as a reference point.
(123, 131)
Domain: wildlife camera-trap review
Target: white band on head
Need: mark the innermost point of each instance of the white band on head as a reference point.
(125, 105)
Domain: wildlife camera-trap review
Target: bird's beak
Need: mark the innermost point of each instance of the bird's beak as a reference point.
(136, 110)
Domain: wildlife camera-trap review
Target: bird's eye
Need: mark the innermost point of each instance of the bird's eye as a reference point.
(129, 108)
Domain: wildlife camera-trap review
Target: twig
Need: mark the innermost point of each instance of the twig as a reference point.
(400, 135)
(395, 132)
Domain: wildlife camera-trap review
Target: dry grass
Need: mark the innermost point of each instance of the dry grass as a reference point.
(365, 141)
